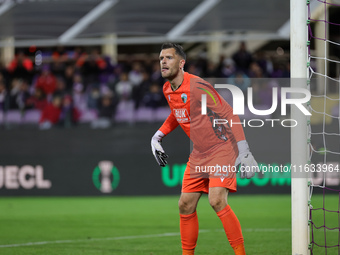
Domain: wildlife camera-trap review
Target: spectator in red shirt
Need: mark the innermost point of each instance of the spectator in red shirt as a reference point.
(51, 114)
(47, 81)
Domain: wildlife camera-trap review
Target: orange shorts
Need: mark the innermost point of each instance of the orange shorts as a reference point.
(216, 170)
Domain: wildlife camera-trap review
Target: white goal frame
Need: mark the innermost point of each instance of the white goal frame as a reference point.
(299, 149)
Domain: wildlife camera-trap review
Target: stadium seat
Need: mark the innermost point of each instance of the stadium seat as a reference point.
(87, 116)
(32, 116)
(162, 113)
(145, 114)
(13, 116)
(125, 112)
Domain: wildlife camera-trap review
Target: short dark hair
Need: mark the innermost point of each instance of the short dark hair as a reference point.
(178, 49)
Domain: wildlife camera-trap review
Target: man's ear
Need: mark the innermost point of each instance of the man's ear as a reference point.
(181, 63)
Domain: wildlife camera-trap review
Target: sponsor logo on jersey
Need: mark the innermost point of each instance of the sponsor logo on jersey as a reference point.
(184, 97)
(181, 115)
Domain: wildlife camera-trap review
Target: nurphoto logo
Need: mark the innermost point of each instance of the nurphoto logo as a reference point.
(238, 106)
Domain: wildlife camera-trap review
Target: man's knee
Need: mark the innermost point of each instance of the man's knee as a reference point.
(217, 202)
(186, 206)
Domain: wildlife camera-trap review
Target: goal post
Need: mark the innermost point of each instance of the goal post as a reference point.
(299, 136)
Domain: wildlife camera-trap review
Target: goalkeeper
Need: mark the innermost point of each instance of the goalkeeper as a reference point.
(216, 148)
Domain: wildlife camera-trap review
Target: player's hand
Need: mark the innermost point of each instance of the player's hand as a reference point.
(248, 165)
(157, 149)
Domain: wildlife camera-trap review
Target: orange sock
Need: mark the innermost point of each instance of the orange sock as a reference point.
(189, 232)
(239, 249)
(188, 252)
(232, 228)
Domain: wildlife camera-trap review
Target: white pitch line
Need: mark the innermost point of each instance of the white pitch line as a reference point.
(90, 239)
(135, 237)
(266, 230)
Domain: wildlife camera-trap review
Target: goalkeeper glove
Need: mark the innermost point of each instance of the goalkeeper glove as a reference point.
(248, 164)
(157, 149)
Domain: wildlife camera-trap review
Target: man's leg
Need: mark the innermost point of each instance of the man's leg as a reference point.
(218, 199)
(188, 221)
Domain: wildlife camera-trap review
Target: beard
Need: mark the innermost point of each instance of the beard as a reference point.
(169, 74)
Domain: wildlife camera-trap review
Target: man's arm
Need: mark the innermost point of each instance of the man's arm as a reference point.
(169, 124)
(157, 150)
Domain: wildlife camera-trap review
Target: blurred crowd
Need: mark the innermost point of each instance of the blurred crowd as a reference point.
(63, 84)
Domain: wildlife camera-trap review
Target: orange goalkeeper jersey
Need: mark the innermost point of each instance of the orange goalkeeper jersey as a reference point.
(185, 104)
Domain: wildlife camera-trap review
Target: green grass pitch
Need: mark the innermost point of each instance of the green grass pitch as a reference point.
(138, 225)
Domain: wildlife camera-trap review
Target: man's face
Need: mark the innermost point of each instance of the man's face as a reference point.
(171, 63)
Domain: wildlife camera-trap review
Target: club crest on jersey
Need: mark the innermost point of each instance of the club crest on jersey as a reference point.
(184, 97)
(169, 97)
